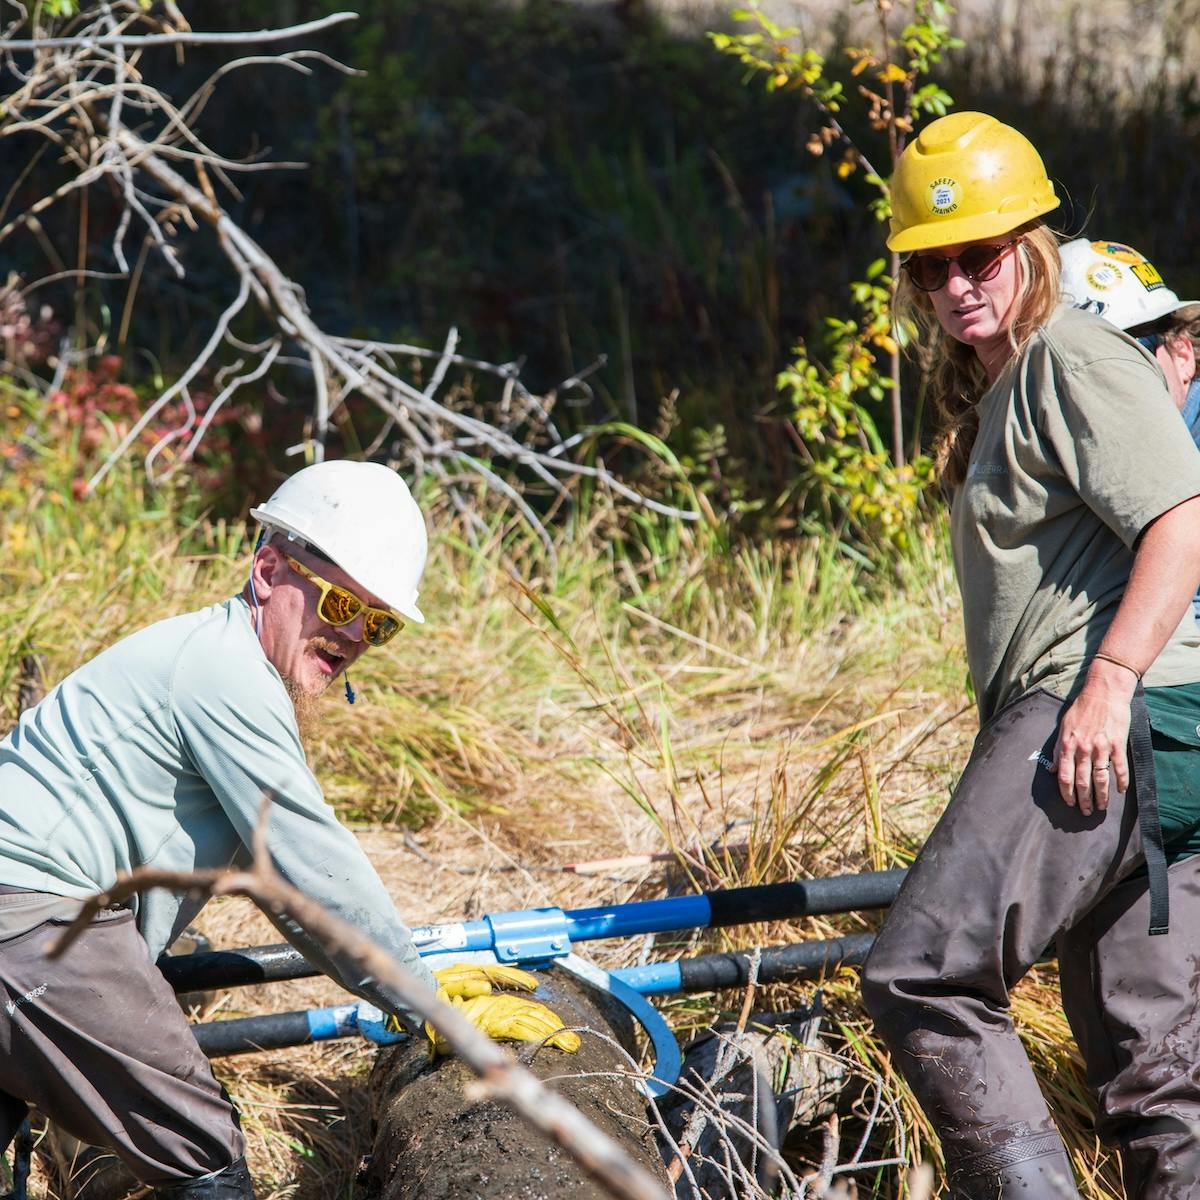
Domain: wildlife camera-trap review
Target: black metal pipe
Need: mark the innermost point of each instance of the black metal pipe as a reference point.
(244, 1035)
(779, 964)
(729, 906)
(804, 898)
(704, 973)
(215, 969)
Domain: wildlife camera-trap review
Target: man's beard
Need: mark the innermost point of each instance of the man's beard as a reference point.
(308, 711)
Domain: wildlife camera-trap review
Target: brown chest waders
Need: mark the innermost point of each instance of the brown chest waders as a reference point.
(97, 1041)
(1008, 870)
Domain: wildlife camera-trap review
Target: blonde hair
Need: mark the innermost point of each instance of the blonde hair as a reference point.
(957, 378)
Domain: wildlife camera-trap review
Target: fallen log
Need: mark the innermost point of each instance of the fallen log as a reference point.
(434, 1141)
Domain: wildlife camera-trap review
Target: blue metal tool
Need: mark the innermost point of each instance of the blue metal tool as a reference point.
(540, 937)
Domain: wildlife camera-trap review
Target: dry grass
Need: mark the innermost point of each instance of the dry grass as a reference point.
(706, 698)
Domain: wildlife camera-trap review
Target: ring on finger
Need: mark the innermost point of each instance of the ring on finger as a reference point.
(1097, 768)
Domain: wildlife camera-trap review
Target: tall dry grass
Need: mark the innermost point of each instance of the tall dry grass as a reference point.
(760, 712)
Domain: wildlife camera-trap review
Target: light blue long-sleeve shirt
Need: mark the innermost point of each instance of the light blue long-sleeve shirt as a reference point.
(157, 753)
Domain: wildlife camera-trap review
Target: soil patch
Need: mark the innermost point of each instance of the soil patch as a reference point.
(433, 1142)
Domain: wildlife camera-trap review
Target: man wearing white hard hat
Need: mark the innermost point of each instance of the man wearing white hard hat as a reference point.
(1124, 287)
(158, 753)
(1121, 285)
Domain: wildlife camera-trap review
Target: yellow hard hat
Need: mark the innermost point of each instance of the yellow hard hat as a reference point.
(966, 176)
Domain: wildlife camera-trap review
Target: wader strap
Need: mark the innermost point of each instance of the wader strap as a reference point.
(1144, 790)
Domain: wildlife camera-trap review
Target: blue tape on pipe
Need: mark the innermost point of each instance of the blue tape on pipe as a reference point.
(327, 1023)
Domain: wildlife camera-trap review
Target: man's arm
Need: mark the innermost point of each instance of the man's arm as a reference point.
(239, 730)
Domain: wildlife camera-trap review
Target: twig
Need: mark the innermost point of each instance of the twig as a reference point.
(920, 1182)
(830, 1149)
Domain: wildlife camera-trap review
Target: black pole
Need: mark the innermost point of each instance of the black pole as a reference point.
(704, 973)
(729, 906)
(246, 1034)
(215, 969)
(804, 898)
(779, 964)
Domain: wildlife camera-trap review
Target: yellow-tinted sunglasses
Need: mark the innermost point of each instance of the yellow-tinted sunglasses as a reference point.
(339, 606)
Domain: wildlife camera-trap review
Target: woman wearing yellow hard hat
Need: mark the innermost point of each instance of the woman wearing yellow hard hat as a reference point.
(1075, 524)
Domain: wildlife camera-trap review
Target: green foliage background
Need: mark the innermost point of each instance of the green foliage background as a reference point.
(568, 180)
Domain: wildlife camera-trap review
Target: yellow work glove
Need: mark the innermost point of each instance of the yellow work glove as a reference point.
(476, 979)
(465, 980)
(511, 1018)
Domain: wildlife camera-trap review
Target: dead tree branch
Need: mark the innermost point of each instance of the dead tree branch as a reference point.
(501, 1077)
(87, 93)
(181, 38)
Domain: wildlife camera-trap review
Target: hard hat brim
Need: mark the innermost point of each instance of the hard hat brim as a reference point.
(1165, 311)
(930, 235)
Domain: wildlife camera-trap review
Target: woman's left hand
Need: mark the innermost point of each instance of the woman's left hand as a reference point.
(1089, 756)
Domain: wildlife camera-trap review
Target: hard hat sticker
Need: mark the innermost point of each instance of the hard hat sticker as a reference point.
(944, 195)
(1103, 276)
(1146, 273)
(1118, 251)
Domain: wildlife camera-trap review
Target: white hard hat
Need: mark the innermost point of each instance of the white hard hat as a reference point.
(1116, 282)
(362, 517)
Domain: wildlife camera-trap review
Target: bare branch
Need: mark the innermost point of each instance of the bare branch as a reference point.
(222, 324)
(186, 38)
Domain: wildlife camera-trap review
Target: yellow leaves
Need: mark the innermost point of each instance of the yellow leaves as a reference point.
(892, 74)
(886, 342)
(845, 168)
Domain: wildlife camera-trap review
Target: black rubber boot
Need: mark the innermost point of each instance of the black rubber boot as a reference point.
(232, 1183)
(990, 1177)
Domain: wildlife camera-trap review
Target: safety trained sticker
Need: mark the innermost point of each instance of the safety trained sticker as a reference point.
(1103, 276)
(1106, 275)
(944, 196)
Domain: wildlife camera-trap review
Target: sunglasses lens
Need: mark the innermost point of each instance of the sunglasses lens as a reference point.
(981, 263)
(928, 271)
(380, 627)
(339, 607)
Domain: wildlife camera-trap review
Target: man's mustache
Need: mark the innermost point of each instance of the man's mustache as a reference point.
(330, 646)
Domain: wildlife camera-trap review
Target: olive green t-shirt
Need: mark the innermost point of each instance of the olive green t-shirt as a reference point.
(1079, 449)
